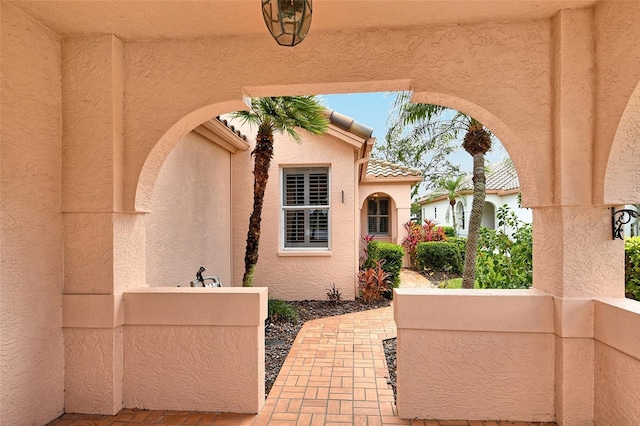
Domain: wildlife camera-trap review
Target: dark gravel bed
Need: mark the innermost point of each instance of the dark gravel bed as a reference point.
(279, 336)
(390, 347)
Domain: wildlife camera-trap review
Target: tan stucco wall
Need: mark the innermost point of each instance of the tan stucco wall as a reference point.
(298, 275)
(195, 349)
(617, 362)
(511, 60)
(475, 354)
(191, 219)
(32, 366)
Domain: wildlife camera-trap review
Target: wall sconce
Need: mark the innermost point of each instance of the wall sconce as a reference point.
(624, 216)
(288, 21)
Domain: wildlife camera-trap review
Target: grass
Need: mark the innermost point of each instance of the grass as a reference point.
(279, 310)
(454, 283)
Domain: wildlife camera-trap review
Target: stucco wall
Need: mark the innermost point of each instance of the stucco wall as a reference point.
(190, 222)
(195, 349)
(617, 362)
(484, 355)
(511, 60)
(31, 239)
(298, 275)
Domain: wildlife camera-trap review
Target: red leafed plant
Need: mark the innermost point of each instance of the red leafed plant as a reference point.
(424, 233)
(374, 282)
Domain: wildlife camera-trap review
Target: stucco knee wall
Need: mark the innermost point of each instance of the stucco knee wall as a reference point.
(617, 362)
(481, 355)
(195, 349)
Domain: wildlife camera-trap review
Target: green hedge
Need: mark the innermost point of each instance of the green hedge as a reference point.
(448, 231)
(439, 257)
(632, 267)
(461, 243)
(392, 253)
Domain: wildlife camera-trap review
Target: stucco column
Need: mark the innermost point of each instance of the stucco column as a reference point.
(104, 247)
(574, 256)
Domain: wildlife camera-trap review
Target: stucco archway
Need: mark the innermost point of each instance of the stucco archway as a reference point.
(622, 176)
(159, 153)
(521, 159)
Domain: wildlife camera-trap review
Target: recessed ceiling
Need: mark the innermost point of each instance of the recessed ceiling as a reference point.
(141, 20)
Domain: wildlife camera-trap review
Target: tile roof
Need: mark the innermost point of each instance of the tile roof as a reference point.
(380, 168)
(348, 124)
(501, 176)
(232, 128)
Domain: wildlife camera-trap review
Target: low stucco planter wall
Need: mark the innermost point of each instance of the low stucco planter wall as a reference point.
(475, 354)
(198, 349)
(617, 361)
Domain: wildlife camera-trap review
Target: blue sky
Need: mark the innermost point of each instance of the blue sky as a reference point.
(372, 109)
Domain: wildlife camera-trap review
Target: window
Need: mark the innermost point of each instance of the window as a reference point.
(378, 216)
(305, 207)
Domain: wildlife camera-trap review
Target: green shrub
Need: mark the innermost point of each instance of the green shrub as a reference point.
(448, 231)
(439, 257)
(461, 243)
(281, 311)
(505, 261)
(632, 267)
(391, 253)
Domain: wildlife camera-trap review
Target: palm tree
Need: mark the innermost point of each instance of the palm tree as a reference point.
(433, 120)
(476, 142)
(283, 115)
(451, 188)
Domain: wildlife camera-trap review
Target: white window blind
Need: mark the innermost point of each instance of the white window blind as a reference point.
(305, 207)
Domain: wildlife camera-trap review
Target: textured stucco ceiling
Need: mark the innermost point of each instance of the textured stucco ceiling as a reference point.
(141, 20)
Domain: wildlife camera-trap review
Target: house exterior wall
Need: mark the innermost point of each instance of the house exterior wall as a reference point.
(191, 221)
(32, 363)
(547, 67)
(298, 274)
(498, 200)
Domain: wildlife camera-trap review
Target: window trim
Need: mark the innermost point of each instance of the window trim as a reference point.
(290, 251)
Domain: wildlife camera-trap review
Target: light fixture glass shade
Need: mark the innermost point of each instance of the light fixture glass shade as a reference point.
(288, 21)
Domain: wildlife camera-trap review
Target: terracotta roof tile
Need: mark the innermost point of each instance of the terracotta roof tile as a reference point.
(381, 168)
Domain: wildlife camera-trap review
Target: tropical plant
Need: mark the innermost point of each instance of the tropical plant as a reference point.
(374, 282)
(283, 115)
(476, 142)
(505, 255)
(434, 121)
(333, 294)
(424, 146)
(417, 234)
(632, 267)
(392, 254)
(451, 188)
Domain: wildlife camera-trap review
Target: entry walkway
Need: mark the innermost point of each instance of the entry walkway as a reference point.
(335, 374)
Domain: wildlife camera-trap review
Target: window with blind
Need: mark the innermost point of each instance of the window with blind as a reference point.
(305, 207)
(378, 216)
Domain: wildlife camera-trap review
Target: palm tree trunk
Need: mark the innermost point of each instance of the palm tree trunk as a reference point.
(477, 209)
(263, 153)
(453, 217)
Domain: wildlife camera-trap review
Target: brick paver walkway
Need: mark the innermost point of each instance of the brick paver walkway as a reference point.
(335, 374)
